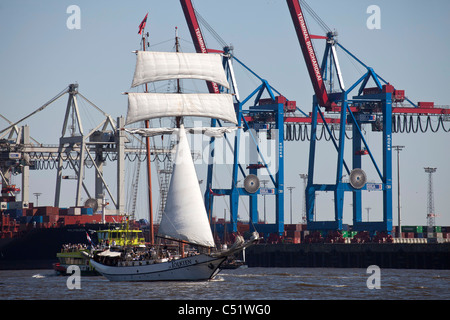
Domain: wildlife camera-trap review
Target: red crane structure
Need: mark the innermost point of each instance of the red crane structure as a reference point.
(308, 53)
(197, 37)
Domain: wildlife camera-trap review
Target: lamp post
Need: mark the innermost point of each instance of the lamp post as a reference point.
(264, 182)
(290, 196)
(37, 195)
(398, 148)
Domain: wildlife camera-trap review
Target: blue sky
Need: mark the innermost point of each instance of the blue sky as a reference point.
(40, 56)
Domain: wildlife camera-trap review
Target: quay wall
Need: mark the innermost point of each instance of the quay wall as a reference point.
(384, 255)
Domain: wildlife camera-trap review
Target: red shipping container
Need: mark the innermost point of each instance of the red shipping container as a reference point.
(387, 88)
(291, 106)
(288, 227)
(399, 95)
(280, 99)
(373, 90)
(243, 228)
(265, 101)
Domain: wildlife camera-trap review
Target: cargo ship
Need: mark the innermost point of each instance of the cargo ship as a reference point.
(30, 238)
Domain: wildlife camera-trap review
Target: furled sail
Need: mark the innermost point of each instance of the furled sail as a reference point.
(184, 215)
(216, 132)
(155, 66)
(144, 106)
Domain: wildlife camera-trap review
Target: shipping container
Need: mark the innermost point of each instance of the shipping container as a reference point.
(87, 211)
(426, 104)
(293, 227)
(398, 96)
(388, 88)
(74, 211)
(37, 219)
(373, 90)
(46, 211)
(14, 213)
(243, 228)
(291, 106)
(414, 229)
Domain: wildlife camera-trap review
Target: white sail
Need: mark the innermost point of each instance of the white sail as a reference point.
(184, 215)
(155, 66)
(216, 132)
(144, 106)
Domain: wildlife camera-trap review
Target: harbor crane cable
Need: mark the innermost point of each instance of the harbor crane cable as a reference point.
(45, 105)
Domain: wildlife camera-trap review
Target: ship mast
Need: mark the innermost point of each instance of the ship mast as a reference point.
(178, 120)
(149, 172)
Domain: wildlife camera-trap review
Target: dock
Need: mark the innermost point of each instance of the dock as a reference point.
(351, 255)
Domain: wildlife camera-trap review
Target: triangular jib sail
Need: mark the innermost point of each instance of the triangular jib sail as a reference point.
(184, 215)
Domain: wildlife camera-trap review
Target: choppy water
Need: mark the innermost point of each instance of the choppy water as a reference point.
(243, 283)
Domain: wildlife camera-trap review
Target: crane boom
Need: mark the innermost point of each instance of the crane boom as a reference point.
(308, 52)
(197, 37)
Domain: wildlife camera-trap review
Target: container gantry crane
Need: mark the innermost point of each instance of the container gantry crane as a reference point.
(264, 114)
(371, 105)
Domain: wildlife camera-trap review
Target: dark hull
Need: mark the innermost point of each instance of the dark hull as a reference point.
(327, 255)
(37, 248)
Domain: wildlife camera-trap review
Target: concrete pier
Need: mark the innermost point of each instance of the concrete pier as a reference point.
(389, 255)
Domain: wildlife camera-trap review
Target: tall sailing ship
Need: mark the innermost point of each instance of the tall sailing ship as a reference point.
(185, 218)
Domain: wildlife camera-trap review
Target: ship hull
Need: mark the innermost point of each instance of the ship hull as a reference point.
(38, 248)
(194, 268)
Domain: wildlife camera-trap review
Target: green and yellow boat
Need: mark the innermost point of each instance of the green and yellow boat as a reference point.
(81, 254)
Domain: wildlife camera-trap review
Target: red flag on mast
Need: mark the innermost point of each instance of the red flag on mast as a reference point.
(142, 25)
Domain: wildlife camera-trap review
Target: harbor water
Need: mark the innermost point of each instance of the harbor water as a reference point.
(239, 284)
